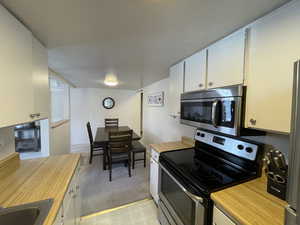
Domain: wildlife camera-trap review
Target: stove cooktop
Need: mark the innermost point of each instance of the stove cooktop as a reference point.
(206, 172)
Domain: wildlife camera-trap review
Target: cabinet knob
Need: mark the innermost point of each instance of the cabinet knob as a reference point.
(200, 85)
(253, 121)
(210, 83)
(32, 116)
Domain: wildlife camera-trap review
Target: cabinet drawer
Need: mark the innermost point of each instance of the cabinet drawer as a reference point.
(72, 188)
(154, 155)
(220, 218)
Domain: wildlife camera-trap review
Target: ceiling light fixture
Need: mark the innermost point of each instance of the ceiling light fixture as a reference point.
(111, 80)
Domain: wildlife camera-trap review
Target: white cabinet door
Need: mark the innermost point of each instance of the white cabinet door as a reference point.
(175, 88)
(154, 180)
(219, 218)
(195, 72)
(225, 64)
(273, 48)
(59, 217)
(40, 79)
(77, 197)
(69, 214)
(16, 89)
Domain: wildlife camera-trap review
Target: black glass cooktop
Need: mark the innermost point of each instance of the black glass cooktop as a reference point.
(207, 172)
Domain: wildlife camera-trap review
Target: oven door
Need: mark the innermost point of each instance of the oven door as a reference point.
(217, 114)
(177, 205)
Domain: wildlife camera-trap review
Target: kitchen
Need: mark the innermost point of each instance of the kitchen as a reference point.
(234, 83)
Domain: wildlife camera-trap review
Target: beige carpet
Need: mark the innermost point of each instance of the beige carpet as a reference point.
(99, 194)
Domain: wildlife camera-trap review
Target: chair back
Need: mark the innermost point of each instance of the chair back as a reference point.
(120, 141)
(113, 122)
(90, 133)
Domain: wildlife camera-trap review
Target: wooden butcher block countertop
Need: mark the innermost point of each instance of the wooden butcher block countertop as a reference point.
(25, 181)
(175, 145)
(250, 204)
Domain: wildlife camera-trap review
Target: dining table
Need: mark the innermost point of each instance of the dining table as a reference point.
(102, 138)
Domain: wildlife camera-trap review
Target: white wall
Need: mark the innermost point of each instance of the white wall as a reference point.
(60, 139)
(86, 105)
(158, 125)
(7, 142)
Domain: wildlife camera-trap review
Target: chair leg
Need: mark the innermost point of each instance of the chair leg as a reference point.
(144, 158)
(105, 157)
(133, 160)
(91, 154)
(129, 167)
(110, 168)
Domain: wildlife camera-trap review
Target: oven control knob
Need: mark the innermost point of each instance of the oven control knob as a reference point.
(249, 150)
(198, 133)
(202, 135)
(240, 147)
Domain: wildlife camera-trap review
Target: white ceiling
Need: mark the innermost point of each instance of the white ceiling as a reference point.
(136, 39)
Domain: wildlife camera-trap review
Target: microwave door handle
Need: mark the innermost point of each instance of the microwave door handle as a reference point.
(214, 113)
(195, 198)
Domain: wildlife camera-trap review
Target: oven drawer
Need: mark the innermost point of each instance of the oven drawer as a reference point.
(163, 215)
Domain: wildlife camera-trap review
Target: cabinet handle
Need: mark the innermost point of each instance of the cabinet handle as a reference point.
(200, 85)
(210, 83)
(33, 115)
(253, 121)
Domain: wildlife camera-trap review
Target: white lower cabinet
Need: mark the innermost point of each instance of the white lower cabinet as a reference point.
(69, 213)
(219, 218)
(154, 176)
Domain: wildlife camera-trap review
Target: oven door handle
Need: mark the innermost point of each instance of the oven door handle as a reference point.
(214, 110)
(194, 197)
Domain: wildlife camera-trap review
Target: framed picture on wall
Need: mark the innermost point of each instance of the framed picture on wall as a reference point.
(156, 99)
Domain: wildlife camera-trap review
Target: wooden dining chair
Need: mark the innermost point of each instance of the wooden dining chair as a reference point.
(119, 149)
(95, 150)
(138, 147)
(112, 122)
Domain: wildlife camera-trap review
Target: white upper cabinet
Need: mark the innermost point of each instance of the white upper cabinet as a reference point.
(175, 88)
(40, 79)
(16, 87)
(226, 61)
(195, 72)
(273, 49)
(24, 89)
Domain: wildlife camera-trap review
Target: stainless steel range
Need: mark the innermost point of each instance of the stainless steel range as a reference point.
(188, 177)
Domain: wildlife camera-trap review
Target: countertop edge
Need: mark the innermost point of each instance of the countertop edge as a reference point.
(58, 197)
(249, 186)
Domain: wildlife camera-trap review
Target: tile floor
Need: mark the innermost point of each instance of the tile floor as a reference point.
(139, 213)
(99, 194)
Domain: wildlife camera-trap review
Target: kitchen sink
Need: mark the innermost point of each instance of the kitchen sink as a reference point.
(29, 214)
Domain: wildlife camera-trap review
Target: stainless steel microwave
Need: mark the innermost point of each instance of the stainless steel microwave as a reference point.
(218, 109)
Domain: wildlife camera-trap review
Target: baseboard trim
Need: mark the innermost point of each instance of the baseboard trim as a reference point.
(114, 209)
(82, 148)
